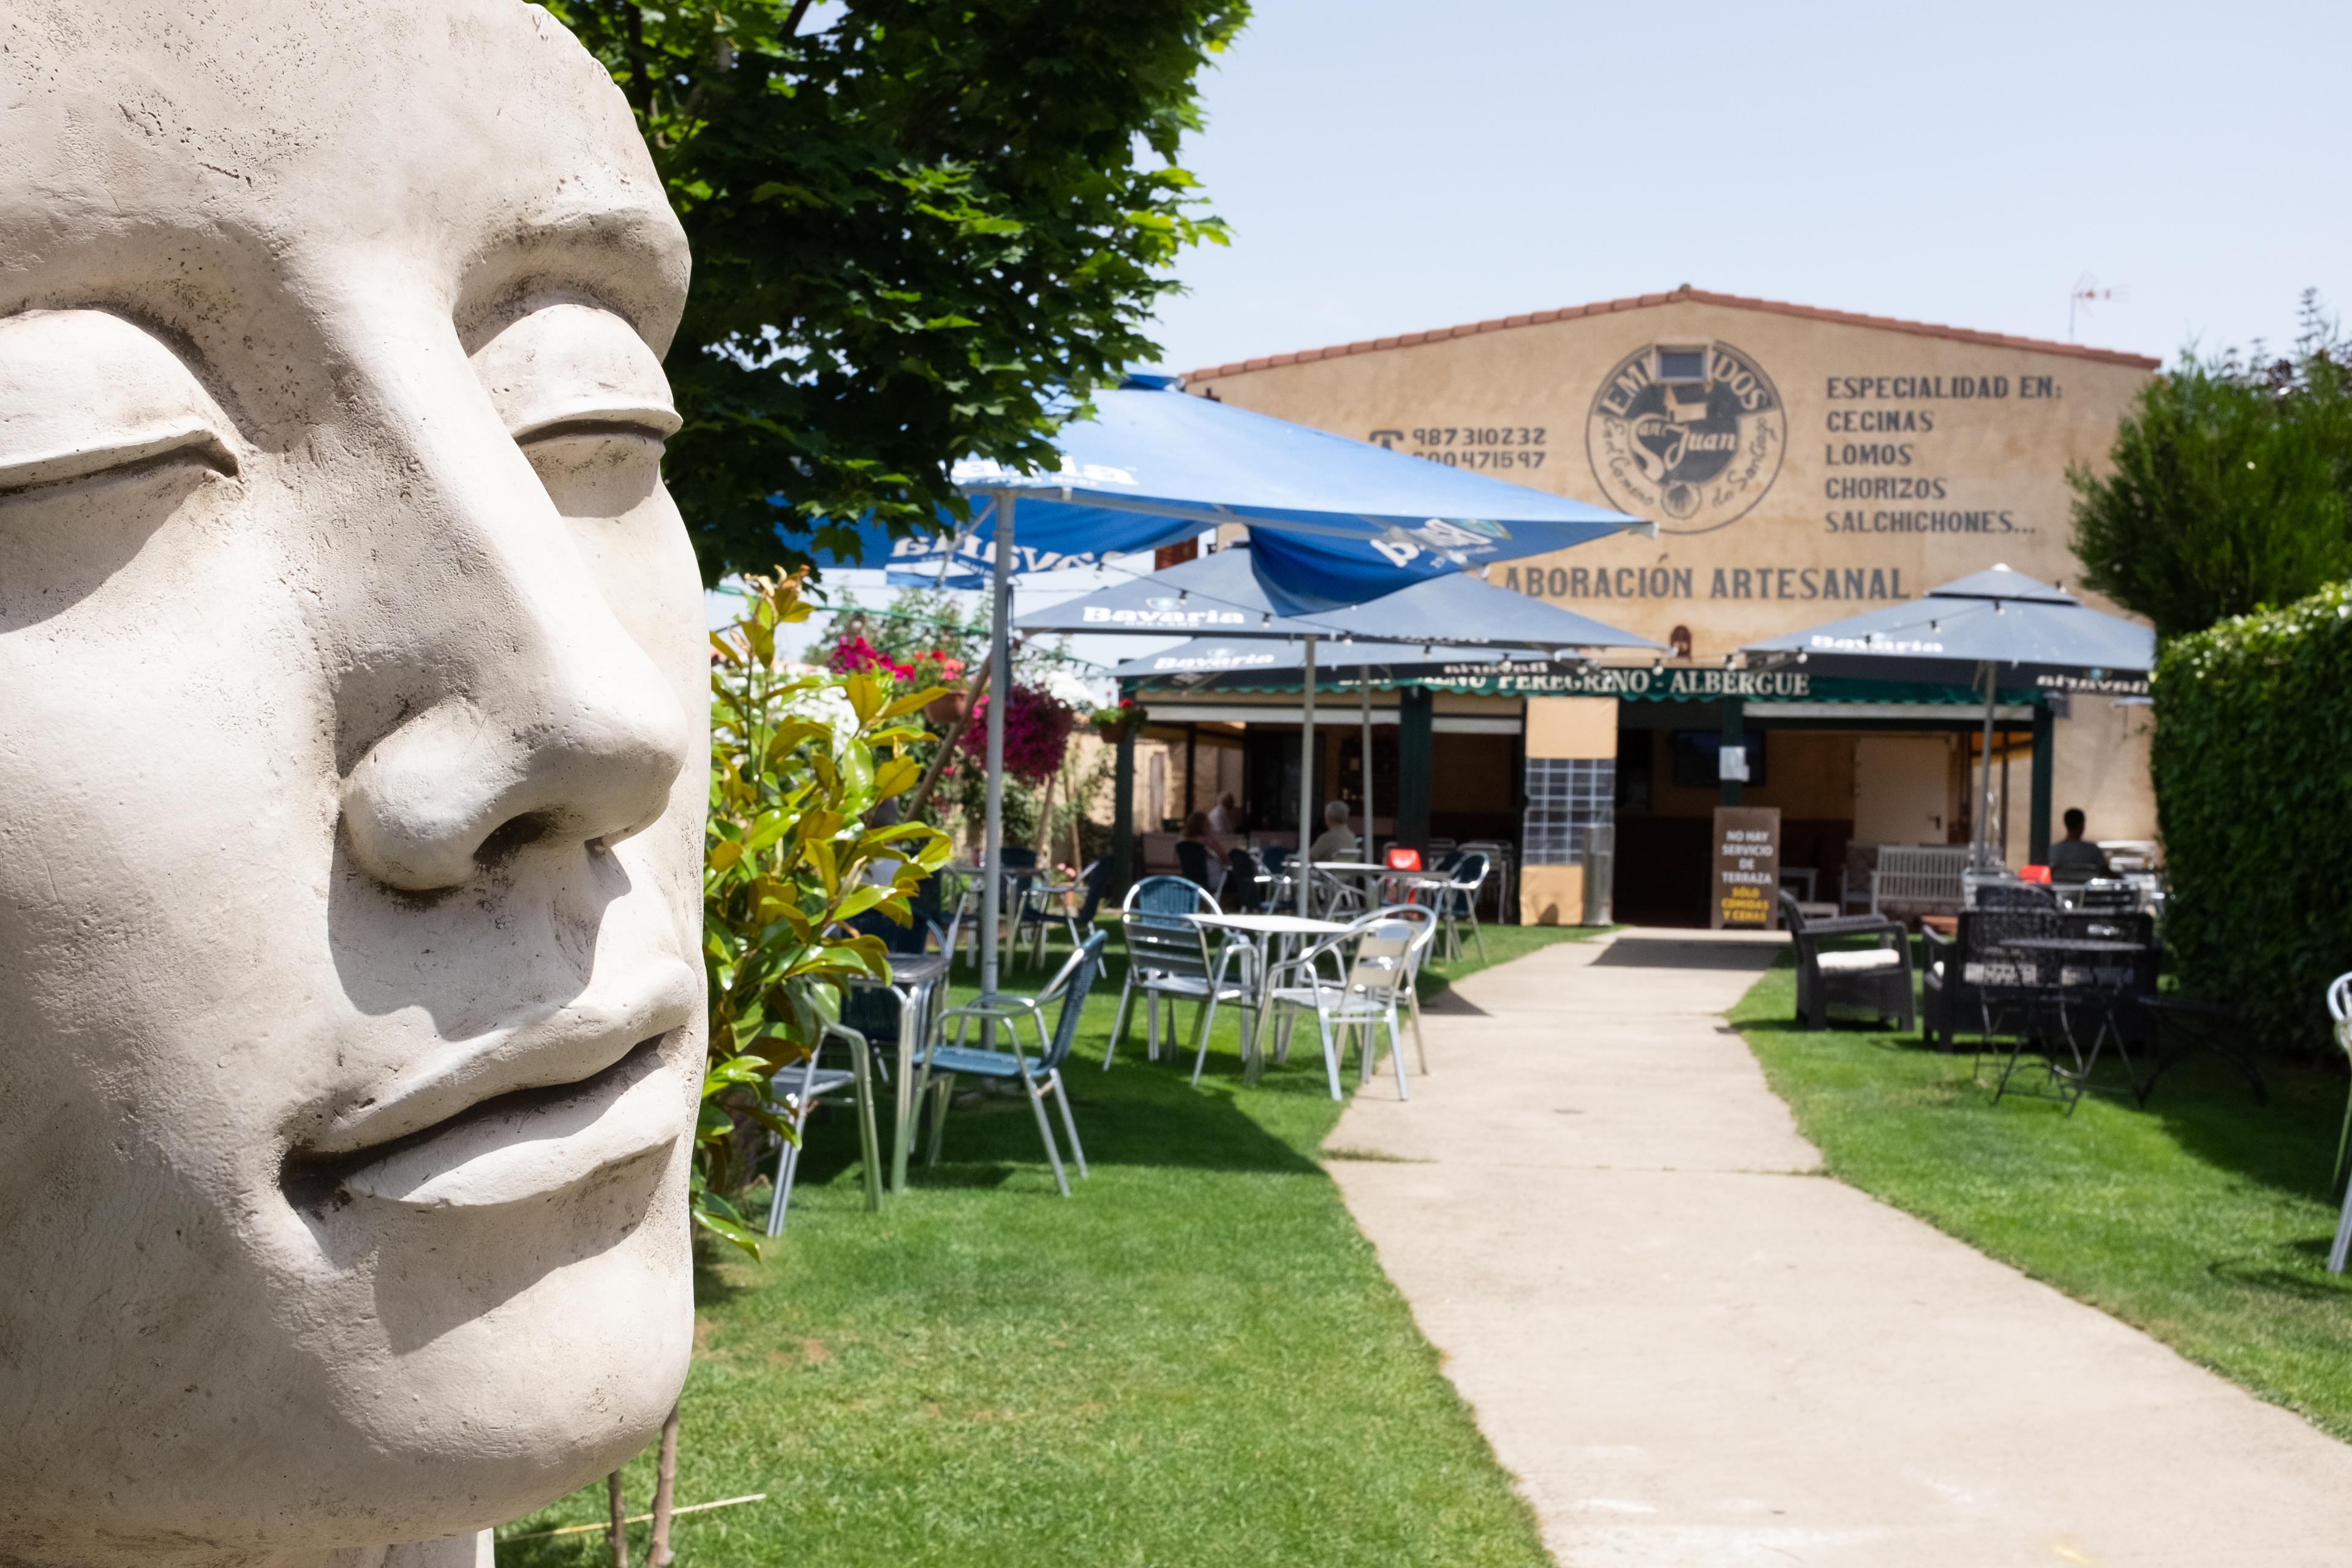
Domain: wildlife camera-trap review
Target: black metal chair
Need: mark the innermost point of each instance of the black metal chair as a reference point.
(1199, 864)
(1244, 888)
(1877, 977)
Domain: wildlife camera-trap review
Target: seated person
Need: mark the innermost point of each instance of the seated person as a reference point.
(2071, 859)
(1335, 842)
(1196, 853)
(1225, 817)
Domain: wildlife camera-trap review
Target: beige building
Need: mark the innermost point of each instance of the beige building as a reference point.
(1802, 465)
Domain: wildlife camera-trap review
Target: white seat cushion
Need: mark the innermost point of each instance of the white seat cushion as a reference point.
(1864, 958)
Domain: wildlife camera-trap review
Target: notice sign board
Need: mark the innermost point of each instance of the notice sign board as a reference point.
(1747, 892)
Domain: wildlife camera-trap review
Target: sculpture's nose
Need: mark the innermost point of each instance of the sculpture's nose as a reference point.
(582, 749)
(516, 706)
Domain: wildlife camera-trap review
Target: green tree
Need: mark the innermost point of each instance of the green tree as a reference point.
(2230, 489)
(922, 230)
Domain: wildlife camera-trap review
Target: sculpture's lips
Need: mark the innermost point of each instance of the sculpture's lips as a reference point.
(533, 1142)
(517, 1111)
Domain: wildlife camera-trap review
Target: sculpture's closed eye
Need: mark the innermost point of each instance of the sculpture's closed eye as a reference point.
(587, 402)
(566, 368)
(84, 392)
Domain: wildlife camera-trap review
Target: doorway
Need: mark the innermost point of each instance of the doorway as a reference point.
(1901, 789)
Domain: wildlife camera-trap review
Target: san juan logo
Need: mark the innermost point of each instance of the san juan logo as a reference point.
(1688, 435)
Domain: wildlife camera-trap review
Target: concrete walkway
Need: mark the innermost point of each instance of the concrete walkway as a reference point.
(1693, 1349)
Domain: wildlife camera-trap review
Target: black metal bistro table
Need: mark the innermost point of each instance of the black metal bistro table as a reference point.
(2097, 995)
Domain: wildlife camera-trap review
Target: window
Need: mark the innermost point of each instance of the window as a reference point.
(1681, 362)
(1694, 753)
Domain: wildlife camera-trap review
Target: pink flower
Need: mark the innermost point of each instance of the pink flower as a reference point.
(853, 654)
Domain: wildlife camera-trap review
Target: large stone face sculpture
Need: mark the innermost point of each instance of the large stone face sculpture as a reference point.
(352, 699)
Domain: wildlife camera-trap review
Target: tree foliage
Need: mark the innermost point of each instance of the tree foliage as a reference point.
(2232, 486)
(920, 228)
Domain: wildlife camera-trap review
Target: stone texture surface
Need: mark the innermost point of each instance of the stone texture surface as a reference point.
(1693, 1348)
(352, 779)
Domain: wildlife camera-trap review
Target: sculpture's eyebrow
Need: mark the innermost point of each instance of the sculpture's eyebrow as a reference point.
(628, 256)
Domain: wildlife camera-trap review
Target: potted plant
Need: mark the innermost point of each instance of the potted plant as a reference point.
(939, 668)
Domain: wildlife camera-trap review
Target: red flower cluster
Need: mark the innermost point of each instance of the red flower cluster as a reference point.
(854, 653)
(936, 669)
(1037, 728)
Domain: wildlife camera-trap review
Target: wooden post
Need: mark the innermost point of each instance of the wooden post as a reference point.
(1416, 710)
(1123, 813)
(1734, 739)
(617, 1532)
(2037, 821)
(658, 1551)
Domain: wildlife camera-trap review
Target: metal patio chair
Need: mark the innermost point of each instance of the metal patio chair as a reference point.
(2339, 1008)
(1458, 901)
(1423, 920)
(1048, 903)
(798, 1088)
(1352, 979)
(1039, 1076)
(1169, 954)
(1245, 881)
(1199, 864)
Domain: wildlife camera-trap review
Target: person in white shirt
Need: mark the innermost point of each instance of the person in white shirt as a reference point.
(1225, 817)
(1335, 842)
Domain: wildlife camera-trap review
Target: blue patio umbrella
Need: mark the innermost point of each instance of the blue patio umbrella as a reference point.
(1994, 628)
(1335, 521)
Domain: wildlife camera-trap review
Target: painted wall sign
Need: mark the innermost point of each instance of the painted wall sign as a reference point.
(1690, 435)
(1747, 868)
(1802, 464)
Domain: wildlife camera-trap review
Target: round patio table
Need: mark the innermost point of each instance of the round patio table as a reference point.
(1259, 933)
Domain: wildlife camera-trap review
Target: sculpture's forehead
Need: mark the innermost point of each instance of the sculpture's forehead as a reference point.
(435, 131)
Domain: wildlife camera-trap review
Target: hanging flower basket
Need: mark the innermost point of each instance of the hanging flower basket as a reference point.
(1117, 724)
(1037, 728)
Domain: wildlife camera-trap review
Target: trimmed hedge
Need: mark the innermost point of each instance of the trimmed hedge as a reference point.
(2252, 761)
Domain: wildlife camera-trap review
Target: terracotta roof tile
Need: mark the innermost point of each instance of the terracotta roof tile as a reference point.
(1692, 296)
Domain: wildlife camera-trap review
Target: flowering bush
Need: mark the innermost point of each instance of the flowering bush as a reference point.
(1037, 726)
(799, 762)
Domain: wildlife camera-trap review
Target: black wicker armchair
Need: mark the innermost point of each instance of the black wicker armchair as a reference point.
(1877, 977)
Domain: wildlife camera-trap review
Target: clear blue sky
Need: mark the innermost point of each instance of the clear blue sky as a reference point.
(1387, 167)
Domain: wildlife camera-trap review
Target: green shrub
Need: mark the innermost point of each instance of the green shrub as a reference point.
(2253, 782)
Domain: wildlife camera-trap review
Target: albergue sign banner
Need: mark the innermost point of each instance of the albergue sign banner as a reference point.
(1747, 868)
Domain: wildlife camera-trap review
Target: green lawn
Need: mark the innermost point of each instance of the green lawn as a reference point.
(2204, 1220)
(1196, 1359)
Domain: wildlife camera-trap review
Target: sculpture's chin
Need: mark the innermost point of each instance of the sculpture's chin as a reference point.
(552, 1370)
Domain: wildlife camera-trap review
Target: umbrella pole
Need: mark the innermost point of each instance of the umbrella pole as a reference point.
(1306, 775)
(1000, 667)
(1982, 855)
(1364, 693)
